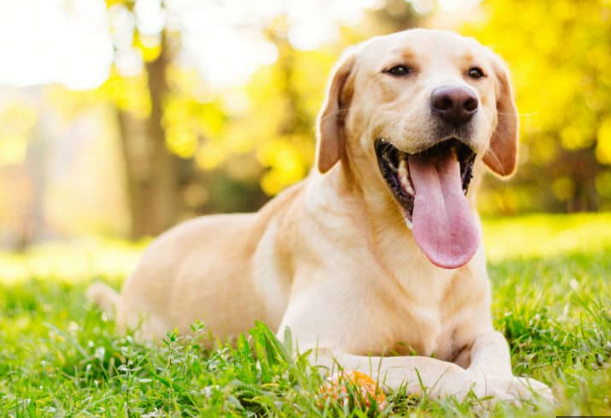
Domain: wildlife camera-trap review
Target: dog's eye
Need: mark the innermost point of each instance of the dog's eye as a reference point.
(476, 73)
(399, 70)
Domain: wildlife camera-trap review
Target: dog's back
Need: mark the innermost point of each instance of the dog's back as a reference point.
(198, 270)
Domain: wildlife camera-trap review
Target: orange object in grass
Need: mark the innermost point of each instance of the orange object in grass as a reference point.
(364, 389)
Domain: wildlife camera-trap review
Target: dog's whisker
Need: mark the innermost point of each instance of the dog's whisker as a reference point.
(334, 114)
(491, 152)
(518, 113)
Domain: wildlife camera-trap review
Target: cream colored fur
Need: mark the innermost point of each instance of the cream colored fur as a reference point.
(331, 257)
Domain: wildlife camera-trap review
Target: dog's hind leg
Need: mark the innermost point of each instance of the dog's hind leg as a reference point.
(145, 325)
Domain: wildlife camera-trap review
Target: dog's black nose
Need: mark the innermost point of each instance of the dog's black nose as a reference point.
(454, 104)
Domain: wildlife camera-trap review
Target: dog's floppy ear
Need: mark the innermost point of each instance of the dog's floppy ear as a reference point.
(331, 117)
(502, 154)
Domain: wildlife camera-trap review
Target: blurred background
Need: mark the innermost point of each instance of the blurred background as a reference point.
(119, 119)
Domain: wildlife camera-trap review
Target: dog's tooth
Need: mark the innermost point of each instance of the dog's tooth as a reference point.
(402, 169)
(405, 184)
(409, 224)
(404, 177)
(410, 189)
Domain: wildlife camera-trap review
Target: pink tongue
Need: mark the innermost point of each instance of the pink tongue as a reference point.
(444, 226)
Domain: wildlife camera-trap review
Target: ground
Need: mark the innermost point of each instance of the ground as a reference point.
(59, 356)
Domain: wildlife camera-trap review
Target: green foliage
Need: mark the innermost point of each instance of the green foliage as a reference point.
(60, 357)
(559, 54)
(237, 146)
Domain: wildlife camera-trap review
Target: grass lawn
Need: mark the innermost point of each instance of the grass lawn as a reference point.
(60, 356)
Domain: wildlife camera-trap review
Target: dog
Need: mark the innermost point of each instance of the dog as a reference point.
(378, 251)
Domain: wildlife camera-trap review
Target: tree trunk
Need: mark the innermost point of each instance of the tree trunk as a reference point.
(151, 170)
(135, 172)
(164, 172)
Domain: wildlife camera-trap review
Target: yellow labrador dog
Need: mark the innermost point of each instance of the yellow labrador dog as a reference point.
(378, 251)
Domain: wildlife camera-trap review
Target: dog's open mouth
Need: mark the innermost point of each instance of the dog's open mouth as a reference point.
(395, 169)
(430, 188)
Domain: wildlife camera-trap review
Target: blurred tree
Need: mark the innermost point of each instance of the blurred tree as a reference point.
(186, 148)
(153, 182)
(190, 148)
(273, 138)
(152, 171)
(286, 98)
(559, 52)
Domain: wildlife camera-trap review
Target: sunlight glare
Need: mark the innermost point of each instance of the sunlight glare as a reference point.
(456, 5)
(74, 42)
(46, 41)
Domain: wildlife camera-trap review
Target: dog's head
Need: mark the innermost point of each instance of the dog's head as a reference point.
(423, 107)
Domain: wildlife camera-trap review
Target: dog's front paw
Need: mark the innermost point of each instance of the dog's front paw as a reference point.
(513, 389)
(527, 388)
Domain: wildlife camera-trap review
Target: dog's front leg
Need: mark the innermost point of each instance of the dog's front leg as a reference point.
(437, 378)
(415, 374)
(490, 355)
(319, 324)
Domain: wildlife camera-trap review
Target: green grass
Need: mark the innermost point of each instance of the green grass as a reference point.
(60, 356)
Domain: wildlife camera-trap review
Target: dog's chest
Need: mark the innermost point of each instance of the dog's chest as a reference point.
(421, 313)
(422, 328)
(416, 307)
